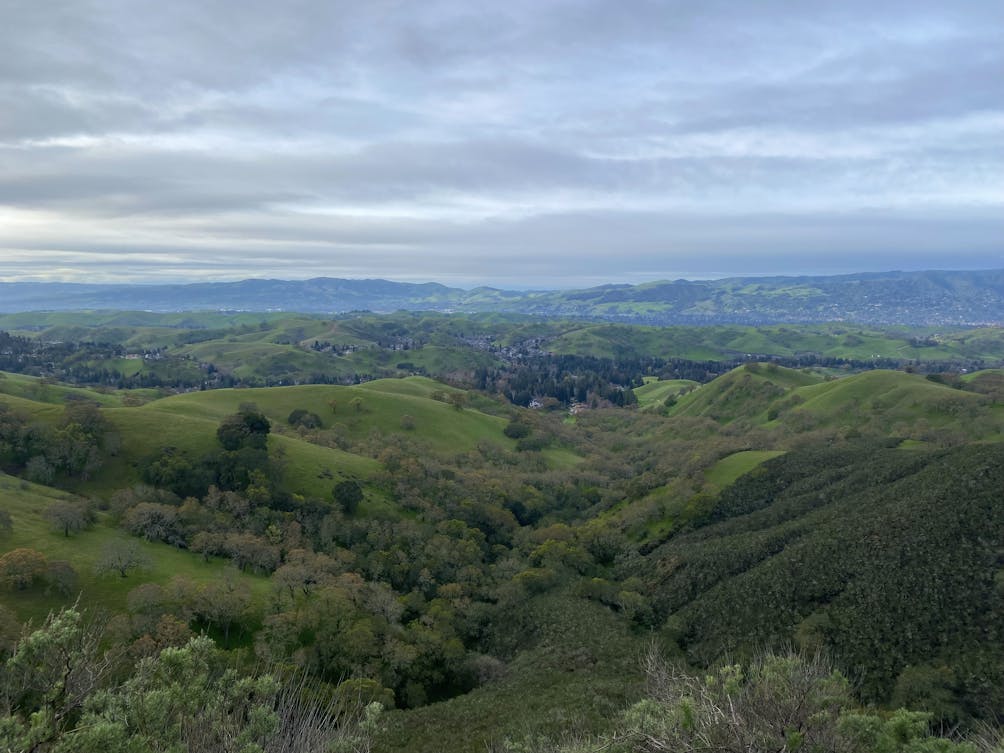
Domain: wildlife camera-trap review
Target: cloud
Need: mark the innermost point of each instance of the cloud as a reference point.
(444, 140)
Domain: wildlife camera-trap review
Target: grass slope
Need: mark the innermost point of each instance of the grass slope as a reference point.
(744, 392)
(34, 389)
(893, 397)
(192, 428)
(26, 504)
(364, 414)
(654, 393)
(382, 404)
(730, 468)
(836, 340)
(879, 401)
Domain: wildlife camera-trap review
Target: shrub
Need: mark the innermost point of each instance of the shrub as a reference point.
(304, 418)
(516, 430)
(20, 568)
(348, 495)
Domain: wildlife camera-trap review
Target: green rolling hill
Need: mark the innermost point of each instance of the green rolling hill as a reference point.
(653, 394)
(746, 392)
(413, 408)
(882, 401)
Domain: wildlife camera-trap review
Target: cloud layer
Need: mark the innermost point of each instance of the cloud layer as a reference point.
(528, 144)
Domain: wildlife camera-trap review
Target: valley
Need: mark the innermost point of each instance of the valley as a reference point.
(490, 567)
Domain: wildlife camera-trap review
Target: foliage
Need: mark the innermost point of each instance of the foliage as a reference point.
(247, 429)
(69, 515)
(775, 702)
(812, 548)
(300, 417)
(21, 568)
(347, 495)
(174, 470)
(61, 692)
(74, 445)
(47, 679)
(517, 430)
(121, 557)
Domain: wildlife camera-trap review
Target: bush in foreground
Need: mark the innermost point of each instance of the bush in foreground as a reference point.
(777, 703)
(60, 692)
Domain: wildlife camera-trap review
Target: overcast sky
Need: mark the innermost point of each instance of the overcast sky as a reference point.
(525, 143)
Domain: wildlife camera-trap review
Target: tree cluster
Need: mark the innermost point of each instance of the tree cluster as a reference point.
(73, 448)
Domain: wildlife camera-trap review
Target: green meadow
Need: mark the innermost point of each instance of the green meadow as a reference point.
(655, 392)
(730, 468)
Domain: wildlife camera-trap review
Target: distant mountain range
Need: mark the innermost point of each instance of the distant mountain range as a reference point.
(914, 298)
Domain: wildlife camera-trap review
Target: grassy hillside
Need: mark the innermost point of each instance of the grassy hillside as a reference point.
(355, 423)
(655, 392)
(26, 504)
(33, 389)
(893, 399)
(879, 401)
(745, 392)
(731, 467)
(192, 350)
(825, 340)
(377, 406)
(42, 320)
(192, 429)
(719, 431)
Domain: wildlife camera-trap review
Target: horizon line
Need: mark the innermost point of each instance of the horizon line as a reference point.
(239, 280)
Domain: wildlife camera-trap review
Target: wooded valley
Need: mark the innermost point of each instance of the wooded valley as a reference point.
(232, 531)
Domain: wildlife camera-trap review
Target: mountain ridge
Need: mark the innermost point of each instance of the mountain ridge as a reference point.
(929, 297)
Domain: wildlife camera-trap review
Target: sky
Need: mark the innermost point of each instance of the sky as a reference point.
(524, 144)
